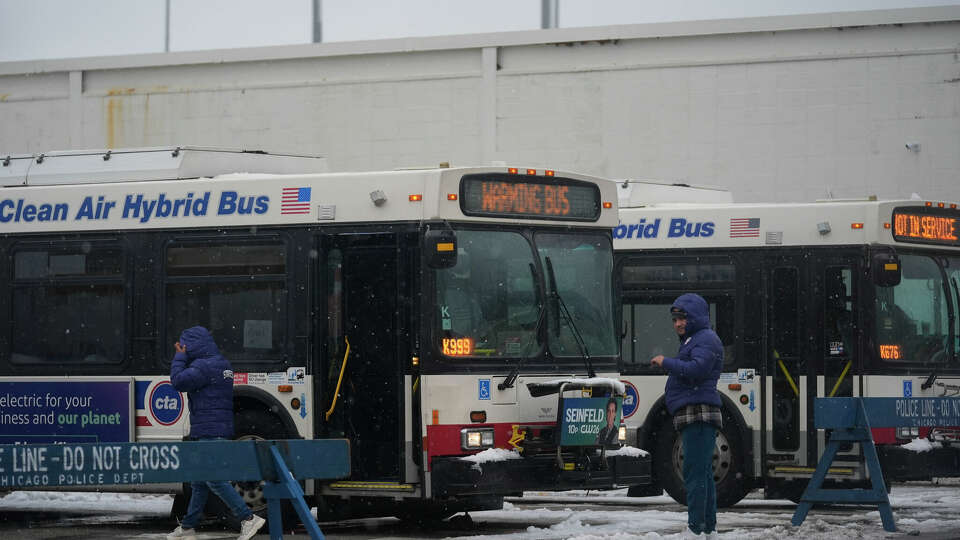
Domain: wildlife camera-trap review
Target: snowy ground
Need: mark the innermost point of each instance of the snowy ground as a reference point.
(924, 509)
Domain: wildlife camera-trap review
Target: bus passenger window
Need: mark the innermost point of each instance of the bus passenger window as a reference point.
(74, 293)
(237, 290)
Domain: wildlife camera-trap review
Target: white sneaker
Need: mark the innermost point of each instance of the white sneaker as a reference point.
(182, 534)
(687, 534)
(249, 527)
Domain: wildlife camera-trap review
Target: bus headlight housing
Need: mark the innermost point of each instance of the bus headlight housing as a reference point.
(911, 432)
(476, 438)
(622, 434)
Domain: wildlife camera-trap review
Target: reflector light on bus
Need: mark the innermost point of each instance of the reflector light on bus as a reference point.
(890, 267)
(475, 439)
(531, 171)
(415, 361)
(941, 205)
(295, 404)
(890, 352)
(444, 246)
(513, 170)
(436, 417)
(478, 416)
(451, 196)
(457, 346)
(416, 197)
(856, 225)
(886, 225)
(928, 203)
(285, 388)
(548, 173)
(953, 206)
(608, 205)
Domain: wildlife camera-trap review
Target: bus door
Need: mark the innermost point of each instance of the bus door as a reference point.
(361, 297)
(836, 365)
(787, 360)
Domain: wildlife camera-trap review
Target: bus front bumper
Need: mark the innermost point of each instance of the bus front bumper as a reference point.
(900, 464)
(453, 476)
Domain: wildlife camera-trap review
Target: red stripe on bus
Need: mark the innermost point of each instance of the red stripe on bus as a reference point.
(444, 439)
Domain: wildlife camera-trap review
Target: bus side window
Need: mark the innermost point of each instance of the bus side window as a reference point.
(236, 288)
(73, 292)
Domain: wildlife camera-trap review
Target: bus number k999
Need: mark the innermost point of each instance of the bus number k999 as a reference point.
(457, 346)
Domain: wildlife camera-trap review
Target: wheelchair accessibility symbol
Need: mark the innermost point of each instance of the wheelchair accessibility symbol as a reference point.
(483, 389)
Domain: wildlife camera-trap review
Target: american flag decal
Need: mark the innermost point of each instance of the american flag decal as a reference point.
(744, 227)
(295, 200)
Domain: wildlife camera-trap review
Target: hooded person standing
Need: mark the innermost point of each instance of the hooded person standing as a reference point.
(206, 376)
(693, 401)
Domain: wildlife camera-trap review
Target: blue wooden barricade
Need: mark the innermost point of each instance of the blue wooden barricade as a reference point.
(851, 420)
(278, 463)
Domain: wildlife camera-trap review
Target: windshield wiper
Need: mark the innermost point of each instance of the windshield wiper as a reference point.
(511, 378)
(564, 312)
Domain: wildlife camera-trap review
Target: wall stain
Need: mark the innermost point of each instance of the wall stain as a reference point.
(114, 118)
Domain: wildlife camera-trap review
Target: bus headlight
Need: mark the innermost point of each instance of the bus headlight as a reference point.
(908, 432)
(622, 434)
(476, 439)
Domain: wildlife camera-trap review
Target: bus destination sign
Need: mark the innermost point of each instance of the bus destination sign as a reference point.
(507, 195)
(927, 226)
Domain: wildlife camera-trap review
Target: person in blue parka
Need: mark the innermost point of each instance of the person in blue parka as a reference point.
(206, 376)
(693, 401)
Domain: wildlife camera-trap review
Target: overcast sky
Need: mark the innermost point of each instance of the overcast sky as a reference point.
(40, 29)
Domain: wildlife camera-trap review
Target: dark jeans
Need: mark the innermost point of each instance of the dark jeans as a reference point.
(699, 439)
(198, 499)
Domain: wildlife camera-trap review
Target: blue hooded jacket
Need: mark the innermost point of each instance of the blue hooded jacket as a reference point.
(207, 378)
(694, 372)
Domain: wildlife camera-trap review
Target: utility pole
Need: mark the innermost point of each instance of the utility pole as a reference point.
(166, 29)
(549, 17)
(317, 21)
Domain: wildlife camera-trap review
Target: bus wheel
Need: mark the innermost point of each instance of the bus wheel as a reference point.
(728, 455)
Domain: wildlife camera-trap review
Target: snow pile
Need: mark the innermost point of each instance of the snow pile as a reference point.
(629, 451)
(920, 445)
(84, 502)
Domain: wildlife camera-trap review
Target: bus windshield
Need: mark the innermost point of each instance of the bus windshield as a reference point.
(490, 302)
(914, 317)
(583, 269)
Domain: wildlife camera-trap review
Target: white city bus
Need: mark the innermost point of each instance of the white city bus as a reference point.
(425, 315)
(835, 298)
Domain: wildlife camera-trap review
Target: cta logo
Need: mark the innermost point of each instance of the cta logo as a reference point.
(631, 400)
(166, 404)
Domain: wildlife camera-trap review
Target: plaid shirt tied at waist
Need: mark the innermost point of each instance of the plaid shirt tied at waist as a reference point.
(698, 413)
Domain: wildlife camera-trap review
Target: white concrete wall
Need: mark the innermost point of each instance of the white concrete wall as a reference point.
(777, 109)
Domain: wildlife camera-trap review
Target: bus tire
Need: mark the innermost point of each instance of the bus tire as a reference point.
(728, 455)
(253, 424)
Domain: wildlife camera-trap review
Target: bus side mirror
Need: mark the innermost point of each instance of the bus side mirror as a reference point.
(885, 267)
(440, 247)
